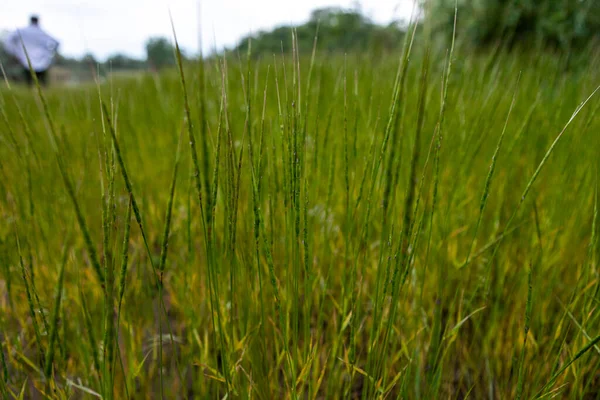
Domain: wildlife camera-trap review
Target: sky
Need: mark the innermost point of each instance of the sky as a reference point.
(106, 27)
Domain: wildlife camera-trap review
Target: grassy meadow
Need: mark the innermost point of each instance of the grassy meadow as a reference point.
(305, 226)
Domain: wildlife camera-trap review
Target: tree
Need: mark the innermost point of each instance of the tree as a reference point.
(339, 30)
(89, 59)
(159, 52)
(563, 24)
(121, 61)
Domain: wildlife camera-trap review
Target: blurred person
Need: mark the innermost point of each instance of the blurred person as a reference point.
(41, 49)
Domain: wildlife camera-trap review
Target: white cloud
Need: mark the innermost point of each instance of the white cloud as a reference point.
(113, 26)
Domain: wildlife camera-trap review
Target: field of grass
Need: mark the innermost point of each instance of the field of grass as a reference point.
(305, 227)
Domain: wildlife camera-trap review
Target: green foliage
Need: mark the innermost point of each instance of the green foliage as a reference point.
(562, 24)
(159, 53)
(339, 30)
(121, 61)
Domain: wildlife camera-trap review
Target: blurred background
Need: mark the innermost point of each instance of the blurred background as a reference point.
(128, 37)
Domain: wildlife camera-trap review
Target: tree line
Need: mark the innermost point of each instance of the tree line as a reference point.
(338, 30)
(159, 54)
(564, 25)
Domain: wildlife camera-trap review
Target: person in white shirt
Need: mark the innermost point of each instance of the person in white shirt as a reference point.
(41, 49)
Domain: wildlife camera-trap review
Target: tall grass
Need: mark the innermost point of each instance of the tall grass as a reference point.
(348, 227)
